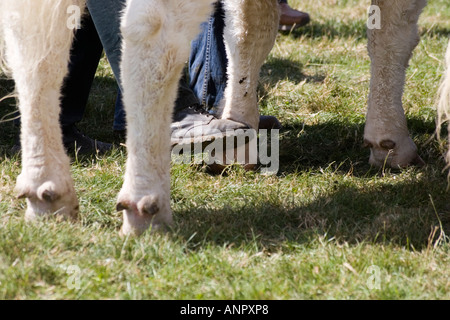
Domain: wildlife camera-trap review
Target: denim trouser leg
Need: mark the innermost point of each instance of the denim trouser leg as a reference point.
(208, 61)
(106, 17)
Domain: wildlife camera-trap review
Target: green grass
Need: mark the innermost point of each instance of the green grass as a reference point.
(328, 226)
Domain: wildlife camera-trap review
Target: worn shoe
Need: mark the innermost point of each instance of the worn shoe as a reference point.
(269, 122)
(291, 18)
(75, 141)
(196, 125)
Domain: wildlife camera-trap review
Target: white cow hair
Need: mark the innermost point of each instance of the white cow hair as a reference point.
(35, 44)
(156, 37)
(240, 97)
(37, 52)
(390, 49)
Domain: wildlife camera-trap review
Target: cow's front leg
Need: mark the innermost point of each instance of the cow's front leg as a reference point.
(156, 42)
(390, 49)
(37, 53)
(250, 32)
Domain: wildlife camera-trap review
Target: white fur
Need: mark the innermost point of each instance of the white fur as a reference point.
(156, 38)
(248, 41)
(390, 49)
(156, 44)
(37, 51)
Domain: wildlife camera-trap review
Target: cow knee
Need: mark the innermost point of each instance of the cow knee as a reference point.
(141, 20)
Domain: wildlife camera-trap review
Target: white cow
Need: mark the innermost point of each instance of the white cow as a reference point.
(156, 36)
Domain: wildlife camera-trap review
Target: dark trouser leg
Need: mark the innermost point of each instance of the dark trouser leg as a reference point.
(85, 56)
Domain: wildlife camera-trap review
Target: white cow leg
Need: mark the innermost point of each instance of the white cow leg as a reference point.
(156, 43)
(250, 32)
(390, 49)
(37, 43)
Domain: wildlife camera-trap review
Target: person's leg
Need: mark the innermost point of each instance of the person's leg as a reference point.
(119, 125)
(186, 97)
(106, 16)
(85, 55)
(191, 123)
(208, 62)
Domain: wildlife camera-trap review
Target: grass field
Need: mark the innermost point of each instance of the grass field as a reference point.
(327, 226)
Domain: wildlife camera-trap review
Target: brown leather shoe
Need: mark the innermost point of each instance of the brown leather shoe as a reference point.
(291, 18)
(269, 122)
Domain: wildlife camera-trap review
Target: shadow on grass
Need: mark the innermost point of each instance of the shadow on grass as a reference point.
(277, 69)
(339, 141)
(390, 212)
(8, 110)
(305, 147)
(398, 214)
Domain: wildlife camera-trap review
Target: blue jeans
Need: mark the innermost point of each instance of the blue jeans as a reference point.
(106, 17)
(208, 61)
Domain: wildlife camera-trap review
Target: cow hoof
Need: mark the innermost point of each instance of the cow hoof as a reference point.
(387, 153)
(147, 213)
(49, 201)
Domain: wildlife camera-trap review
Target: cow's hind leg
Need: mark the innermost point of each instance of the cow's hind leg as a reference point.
(156, 42)
(390, 49)
(250, 32)
(38, 42)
